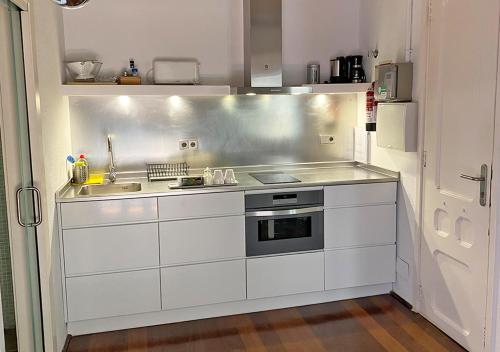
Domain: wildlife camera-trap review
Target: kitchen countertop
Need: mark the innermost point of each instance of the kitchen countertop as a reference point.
(311, 175)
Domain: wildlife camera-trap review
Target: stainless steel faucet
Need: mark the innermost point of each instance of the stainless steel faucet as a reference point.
(112, 166)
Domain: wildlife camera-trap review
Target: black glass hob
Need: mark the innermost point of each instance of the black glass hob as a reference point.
(269, 178)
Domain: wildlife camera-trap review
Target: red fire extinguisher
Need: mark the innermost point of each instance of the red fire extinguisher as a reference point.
(371, 109)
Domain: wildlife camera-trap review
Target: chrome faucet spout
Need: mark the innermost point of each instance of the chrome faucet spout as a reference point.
(112, 166)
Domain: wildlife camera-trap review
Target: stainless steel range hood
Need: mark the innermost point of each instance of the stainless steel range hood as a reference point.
(263, 50)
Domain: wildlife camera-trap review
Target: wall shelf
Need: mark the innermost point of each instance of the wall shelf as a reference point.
(144, 90)
(190, 90)
(343, 88)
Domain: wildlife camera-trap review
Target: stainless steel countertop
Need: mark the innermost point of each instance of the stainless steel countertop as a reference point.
(311, 175)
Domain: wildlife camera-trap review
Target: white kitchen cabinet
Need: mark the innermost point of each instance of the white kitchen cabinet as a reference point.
(111, 248)
(360, 267)
(203, 284)
(198, 240)
(361, 194)
(201, 205)
(360, 226)
(397, 126)
(107, 212)
(285, 275)
(109, 295)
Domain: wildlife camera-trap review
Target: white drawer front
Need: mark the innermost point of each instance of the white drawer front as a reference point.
(106, 212)
(285, 275)
(192, 241)
(360, 267)
(100, 249)
(110, 295)
(360, 226)
(201, 205)
(362, 194)
(203, 284)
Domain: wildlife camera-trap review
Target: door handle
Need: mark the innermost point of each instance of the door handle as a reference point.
(38, 210)
(483, 179)
(472, 178)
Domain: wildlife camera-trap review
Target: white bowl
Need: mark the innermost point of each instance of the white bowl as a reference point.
(83, 70)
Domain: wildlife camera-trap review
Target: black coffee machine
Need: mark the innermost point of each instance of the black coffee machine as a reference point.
(347, 69)
(355, 72)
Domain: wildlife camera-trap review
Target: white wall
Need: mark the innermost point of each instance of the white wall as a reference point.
(384, 26)
(209, 30)
(317, 31)
(52, 143)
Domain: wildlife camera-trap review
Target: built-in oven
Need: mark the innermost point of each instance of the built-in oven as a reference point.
(284, 222)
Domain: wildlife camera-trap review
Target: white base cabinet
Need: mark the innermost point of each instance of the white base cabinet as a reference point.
(360, 226)
(360, 266)
(285, 275)
(203, 284)
(109, 295)
(356, 195)
(111, 248)
(201, 205)
(132, 259)
(202, 240)
(360, 235)
(107, 212)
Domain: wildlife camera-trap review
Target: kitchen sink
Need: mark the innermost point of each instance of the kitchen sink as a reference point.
(112, 188)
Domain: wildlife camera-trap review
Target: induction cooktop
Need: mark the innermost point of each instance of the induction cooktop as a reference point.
(269, 178)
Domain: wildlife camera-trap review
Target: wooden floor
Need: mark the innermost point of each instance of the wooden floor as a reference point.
(369, 324)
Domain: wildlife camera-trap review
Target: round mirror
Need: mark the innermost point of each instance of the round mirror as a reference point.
(72, 4)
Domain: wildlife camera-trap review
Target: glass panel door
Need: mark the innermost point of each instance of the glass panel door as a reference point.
(21, 197)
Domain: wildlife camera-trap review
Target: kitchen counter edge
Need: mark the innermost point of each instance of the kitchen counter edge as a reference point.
(385, 176)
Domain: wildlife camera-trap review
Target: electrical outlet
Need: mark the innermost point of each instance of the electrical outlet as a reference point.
(327, 139)
(193, 144)
(183, 144)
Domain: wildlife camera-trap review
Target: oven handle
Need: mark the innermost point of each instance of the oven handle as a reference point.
(271, 213)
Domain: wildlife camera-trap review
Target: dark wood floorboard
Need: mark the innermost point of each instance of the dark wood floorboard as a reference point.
(372, 324)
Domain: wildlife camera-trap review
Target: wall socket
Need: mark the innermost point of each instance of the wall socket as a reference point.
(327, 139)
(185, 144)
(193, 144)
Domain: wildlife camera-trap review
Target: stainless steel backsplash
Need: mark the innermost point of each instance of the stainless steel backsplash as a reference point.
(232, 130)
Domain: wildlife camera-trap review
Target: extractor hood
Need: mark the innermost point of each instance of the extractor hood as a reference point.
(263, 49)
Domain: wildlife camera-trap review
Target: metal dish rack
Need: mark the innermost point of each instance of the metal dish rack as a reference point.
(166, 171)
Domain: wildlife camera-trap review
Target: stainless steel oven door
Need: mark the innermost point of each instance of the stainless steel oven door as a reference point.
(284, 231)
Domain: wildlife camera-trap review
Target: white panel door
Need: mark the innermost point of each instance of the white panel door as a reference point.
(459, 131)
